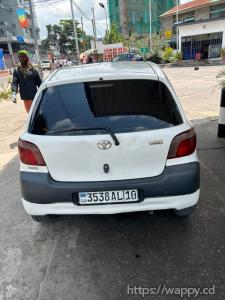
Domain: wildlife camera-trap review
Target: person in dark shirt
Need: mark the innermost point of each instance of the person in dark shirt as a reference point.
(27, 79)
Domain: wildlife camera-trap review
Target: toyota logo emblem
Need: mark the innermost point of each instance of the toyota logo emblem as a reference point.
(104, 145)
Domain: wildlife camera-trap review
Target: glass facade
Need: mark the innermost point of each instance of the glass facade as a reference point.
(132, 16)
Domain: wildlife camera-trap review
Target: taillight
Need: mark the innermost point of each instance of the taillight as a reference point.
(183, 144)
(30, 154)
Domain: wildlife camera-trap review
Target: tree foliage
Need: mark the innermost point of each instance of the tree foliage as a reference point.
(113, 36)
(62, 34)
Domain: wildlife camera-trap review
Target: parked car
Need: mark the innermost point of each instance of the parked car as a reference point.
(46, 64)
(108, 138)
(128, 57)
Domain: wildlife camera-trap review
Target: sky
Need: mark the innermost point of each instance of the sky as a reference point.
(52, 13)
(47, 14)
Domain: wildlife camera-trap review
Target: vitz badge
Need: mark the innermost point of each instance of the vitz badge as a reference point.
(156, 142)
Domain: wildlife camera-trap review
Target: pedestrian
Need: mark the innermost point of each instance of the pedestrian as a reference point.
(90, 60)
(53, 66)
(26, 79)
(60, 63)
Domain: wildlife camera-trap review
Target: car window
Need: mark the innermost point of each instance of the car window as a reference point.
(123, 57)
(123, 106)
(46, 62)
(116, 58)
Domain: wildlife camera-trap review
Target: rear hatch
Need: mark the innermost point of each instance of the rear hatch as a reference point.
(105, 130)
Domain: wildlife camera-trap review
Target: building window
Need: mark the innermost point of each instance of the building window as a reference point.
(217, 11)
(185, 18)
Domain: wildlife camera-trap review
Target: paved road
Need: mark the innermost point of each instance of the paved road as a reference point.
(97, 257)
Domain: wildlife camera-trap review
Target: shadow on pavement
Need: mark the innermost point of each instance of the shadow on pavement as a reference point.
(97, 257)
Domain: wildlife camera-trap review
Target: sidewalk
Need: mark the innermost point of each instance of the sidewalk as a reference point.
(12, 121)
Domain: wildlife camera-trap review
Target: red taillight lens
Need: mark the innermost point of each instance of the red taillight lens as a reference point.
(30, 154)
(183, 144)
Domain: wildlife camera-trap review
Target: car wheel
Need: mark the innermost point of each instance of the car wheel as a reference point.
(186, 212)
(44, 219)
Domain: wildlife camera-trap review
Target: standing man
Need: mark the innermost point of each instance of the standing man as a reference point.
(53, 65)
(27, 79)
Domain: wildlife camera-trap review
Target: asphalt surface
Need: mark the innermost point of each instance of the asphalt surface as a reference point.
(101, 257)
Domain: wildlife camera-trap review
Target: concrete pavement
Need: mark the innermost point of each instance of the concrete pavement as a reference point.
(197, 90)
(12, 122)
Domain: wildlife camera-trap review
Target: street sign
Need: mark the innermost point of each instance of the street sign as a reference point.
(2, 65)
(145, 50)
(20, 39)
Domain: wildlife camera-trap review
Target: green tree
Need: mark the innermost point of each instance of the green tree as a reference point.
(62, 34)
(159, 44)
(113, 36)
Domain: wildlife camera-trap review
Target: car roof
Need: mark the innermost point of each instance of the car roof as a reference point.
(108, 70)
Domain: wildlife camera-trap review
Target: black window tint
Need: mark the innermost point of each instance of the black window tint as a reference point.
(123, 106)
(123, 57)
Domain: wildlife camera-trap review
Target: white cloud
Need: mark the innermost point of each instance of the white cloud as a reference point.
(52, 15)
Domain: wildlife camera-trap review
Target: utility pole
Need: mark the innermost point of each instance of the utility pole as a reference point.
(75, 32)
(83, 48)
(82, 25)
(177, 25)
(34, 35)
(94, 27)
(11, 53)
(150, 23)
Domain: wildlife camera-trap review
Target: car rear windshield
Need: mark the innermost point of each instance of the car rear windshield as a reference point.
(120, 105)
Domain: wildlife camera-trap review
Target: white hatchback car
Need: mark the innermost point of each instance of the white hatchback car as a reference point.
(46, 64)
(108, 138)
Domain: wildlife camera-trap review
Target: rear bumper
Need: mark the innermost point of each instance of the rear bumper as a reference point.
(176, 202)
(175, 181)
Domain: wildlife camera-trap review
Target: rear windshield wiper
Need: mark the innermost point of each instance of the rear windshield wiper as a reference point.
(108, 130)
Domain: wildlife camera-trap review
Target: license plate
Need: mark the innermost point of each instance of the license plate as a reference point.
(108, 197)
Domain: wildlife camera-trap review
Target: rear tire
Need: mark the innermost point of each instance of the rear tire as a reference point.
(44, 219)
(186, 212)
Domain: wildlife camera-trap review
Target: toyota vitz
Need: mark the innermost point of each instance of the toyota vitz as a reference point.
(108, 138)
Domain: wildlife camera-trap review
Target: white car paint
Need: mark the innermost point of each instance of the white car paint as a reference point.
(176, 202)
(46, 64)
(78, 157)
